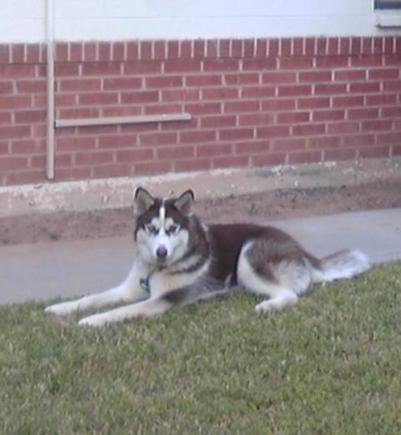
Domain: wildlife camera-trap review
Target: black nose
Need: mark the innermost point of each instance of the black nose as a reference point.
(161, 252)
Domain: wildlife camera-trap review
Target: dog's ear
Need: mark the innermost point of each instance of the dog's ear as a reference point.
(184, 202)
(143, 200)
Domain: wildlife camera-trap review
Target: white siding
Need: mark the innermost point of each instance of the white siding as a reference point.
(23, 20)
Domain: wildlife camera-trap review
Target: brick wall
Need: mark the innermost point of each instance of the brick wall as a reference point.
(253, 102)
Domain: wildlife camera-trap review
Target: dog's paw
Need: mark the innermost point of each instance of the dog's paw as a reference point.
(62, 309)
(94, 320)
(264, 306)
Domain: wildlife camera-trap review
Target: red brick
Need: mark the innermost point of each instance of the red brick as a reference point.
(185, 49)
(279, 77)
(273, 131)
(15, 132)
(285, 47)
(30, 116)
(217, 65)
(393, 138)
(256, 119)
(392, 112)
(258, 91)
(313, 103)
(90, 51)
(17, 53)
(139, 97)
(364, 87)
(192, 165)
(328, 115)
(160, 49)
(310, 46)
(162, 108)
(347, 101)
(377, 151)
(199, 49)
(117, 140)
(377, 125)
(304, 157)
(331, 62)
(362, 113)
(218, 121)
(252, 147)
(175, 153)
(179, 95)
(145, 50)
(224, 48)
(153, 167)
(298, 47)
(28, 146)
(237, 48)
(6, 87)
(288, 144)
(212, 48)
(78, 112)
(66, 85)
(333, 46)
(298, 63)
(358, 140)
(241, 78)
(11, 163)
(73, 173)
(384, 73)
(292, 117)
(197, 136)
(268, 159)
(122, 83)
(323, 142)
(340, 154)
(342, 127)
(241, 106)
(249, 48)
(4, 53)
(180, 125)
(330, 88)
(204, 80)
(98, 98)
(17, 71)
(202, 108)
(143, 67)
(236, 133)
(93, 157)
(315, 76)
(65, 100)
(321, 46)
(132, 50)
(350, 75)
(157, 138)
(4, 148)
(76, 52)
(112, 170)
(379, 100)
(308, 129)
(104, 68)
(275, 104)
(366, 61)
(134, 155)
(69, 69)
(164, 82)
(294, 90)
(230, 161)
(30, 86)
(261, 48)
(219, 93)
(76, 143)
(5, 118)
(273, 49)
(392, 86)
(180, 66)
(259, 64)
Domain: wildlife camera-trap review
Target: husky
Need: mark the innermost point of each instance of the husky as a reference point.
(179, 261)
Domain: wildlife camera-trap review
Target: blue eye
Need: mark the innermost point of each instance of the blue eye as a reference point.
(151, 229)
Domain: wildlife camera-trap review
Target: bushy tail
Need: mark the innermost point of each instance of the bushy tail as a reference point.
(343, 264)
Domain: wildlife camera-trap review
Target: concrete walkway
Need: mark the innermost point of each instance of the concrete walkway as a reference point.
(65, 269)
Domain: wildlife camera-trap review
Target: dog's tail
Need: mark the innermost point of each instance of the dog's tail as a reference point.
(341, 265)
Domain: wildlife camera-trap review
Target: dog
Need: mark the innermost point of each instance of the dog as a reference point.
(179, 261)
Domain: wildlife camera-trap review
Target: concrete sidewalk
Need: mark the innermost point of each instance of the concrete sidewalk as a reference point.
(66, 269)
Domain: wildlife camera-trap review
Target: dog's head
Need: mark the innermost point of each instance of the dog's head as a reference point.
(161, 231)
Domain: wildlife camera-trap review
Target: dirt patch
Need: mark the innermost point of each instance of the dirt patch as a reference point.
(256, 207)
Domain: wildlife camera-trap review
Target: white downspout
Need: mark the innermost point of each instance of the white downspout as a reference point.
(50, 89)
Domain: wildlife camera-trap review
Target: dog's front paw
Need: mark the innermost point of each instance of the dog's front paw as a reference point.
(62, 309)
(94, 320)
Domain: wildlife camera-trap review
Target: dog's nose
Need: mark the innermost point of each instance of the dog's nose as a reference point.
(161, 252)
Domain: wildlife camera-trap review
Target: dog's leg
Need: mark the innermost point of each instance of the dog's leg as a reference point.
(263, 283)
(147, 308)
(129, 291)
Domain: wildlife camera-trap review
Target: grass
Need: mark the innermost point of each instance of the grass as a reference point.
(330, 365)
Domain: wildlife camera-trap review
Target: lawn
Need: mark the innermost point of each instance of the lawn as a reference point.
(330, 365)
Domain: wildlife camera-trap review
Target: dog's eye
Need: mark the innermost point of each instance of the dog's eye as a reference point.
(151, 229)
(173, 229)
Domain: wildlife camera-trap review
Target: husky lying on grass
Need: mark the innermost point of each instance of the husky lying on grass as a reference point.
(178, 261)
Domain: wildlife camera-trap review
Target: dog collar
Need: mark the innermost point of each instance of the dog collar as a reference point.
(144, 283)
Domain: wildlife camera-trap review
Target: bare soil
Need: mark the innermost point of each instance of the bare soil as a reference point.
(256, 207)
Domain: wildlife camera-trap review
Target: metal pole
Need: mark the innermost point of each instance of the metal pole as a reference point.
(50, 89)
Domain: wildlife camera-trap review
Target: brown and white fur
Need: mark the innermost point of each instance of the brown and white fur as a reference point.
(178, 261)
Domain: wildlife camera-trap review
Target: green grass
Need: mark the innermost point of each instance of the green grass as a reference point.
(330, 365)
